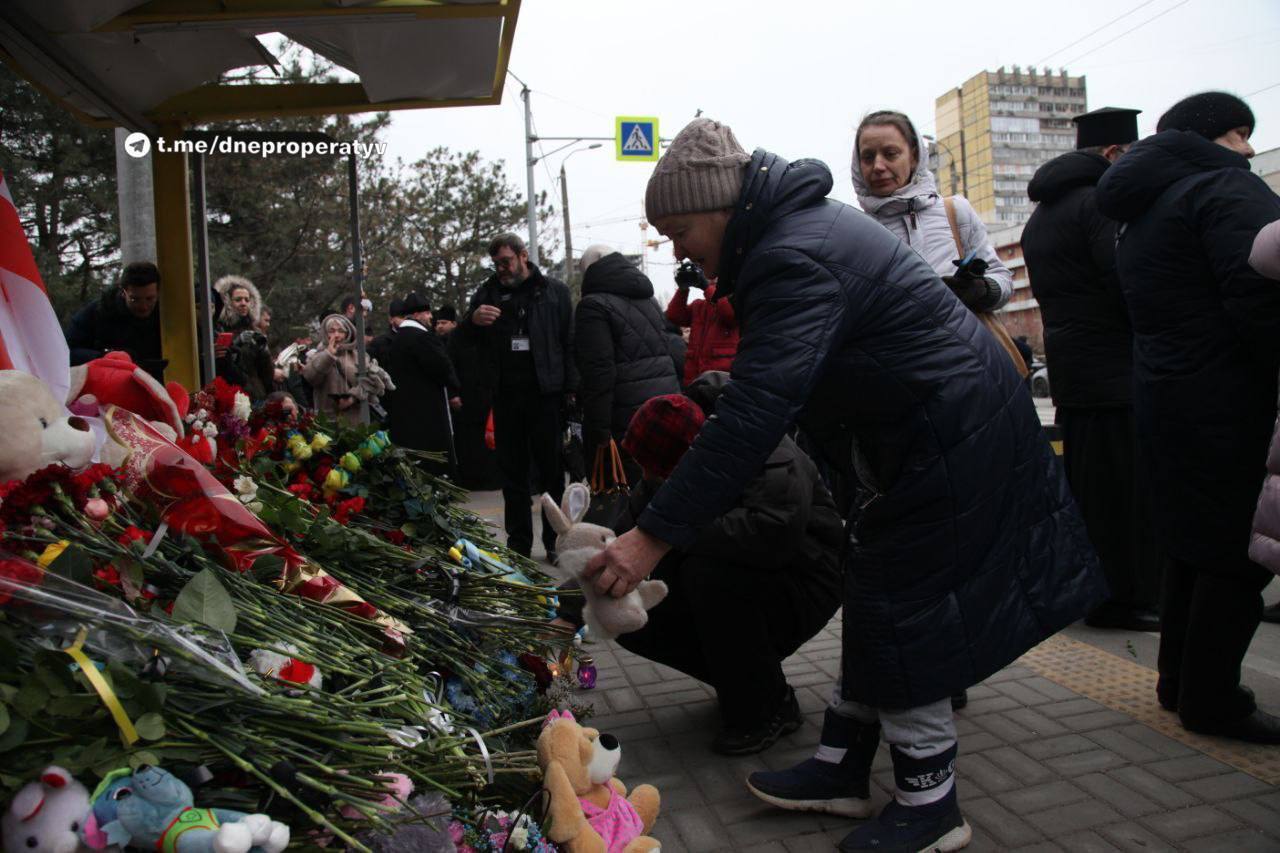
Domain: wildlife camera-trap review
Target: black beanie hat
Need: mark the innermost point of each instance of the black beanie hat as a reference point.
(1209, 114)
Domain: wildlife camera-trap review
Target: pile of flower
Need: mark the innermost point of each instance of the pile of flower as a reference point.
(297, 626)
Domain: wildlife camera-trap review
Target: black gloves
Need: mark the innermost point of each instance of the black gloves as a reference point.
(689, 274)
(976, 291)
(978, 294)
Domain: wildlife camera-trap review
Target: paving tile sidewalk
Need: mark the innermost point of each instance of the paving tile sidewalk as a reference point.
(1041, 767)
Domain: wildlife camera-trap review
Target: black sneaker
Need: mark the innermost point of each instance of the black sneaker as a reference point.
(937, 828)
(959, 700)
(748, 741)
(840, 787)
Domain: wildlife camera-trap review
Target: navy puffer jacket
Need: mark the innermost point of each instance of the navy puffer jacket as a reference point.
(971, 550)
(1206, 331)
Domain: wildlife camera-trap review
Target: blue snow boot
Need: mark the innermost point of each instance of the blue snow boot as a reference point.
(936, 827)
(840, 786)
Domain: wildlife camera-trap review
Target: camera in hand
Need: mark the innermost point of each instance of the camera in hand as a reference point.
(689, 274)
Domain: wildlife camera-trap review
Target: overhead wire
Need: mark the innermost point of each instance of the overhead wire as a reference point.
(1094, 50)
(1092, 33)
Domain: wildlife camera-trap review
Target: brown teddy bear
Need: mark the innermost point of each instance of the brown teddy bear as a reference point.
(590, 810)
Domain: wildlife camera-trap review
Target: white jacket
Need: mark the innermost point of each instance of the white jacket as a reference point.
(916, 215)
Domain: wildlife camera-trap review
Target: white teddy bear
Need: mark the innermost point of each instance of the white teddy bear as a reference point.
(35, 429)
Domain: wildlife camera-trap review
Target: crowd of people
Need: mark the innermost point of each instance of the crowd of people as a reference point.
(844, 424)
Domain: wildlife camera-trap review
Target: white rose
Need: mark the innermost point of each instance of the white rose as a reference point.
(245, 485)
(519, 838)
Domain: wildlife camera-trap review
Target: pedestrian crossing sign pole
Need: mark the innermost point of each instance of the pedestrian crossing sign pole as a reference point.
(636, 138)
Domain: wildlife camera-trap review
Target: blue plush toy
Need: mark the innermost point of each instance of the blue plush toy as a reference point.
(149, 808)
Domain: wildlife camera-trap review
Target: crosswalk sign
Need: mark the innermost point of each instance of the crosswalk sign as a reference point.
(636, 138)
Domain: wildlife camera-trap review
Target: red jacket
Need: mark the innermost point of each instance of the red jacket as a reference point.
(713, 332)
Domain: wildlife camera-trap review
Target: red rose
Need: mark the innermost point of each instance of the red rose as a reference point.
(396, 537)
(20, 572)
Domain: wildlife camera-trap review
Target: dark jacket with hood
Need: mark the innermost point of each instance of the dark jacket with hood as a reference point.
(1070, 251)
(621, 347)
(106, 324)
(549, 327)
(784, 519)
(1206, 332)
(971, 550)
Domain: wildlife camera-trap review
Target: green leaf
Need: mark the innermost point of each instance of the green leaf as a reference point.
(53, 670)
(131, 577)
(31, 699)
(150, 726)
(4, 718)
(75, 564)
(267, 568)
(138, 759)
(152, 696)
(16, 734)
(80, 705)
(123, 680)
(205, 600)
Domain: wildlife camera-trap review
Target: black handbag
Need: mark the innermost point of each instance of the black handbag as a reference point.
(610, 504)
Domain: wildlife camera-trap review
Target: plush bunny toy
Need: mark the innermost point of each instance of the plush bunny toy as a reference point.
(46, 815)
(577, 543)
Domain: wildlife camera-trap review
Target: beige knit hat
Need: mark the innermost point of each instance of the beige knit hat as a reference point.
(702, 170)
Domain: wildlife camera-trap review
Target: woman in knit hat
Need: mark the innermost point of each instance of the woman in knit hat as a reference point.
(1206, 329)
(968, 549)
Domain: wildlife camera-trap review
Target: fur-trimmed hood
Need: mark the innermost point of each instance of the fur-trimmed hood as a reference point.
(227, 318)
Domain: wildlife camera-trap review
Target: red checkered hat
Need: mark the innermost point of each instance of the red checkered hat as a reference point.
(661, 431)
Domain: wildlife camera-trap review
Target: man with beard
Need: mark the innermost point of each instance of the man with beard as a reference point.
(522, 323)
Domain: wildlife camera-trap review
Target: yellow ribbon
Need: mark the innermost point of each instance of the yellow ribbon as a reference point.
(128, 733)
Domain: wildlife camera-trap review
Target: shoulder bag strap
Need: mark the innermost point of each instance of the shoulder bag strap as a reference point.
(950, 204)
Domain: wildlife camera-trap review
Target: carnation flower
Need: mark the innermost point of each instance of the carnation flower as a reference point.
(241, 408)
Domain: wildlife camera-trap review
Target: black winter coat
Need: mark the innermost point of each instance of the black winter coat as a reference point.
(971, 550)
(550, 333)
(424, 378)
(106, 324)
(1206, 334)
(621, 347)
(1070, 251)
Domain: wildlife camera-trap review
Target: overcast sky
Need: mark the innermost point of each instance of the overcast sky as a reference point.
(795, 77)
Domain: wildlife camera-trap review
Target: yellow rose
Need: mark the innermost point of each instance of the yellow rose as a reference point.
(320, 441)
(350, 462)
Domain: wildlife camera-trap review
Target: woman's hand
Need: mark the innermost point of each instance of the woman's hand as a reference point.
(627, 560)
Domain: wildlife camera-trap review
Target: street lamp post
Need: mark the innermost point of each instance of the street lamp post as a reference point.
(954, 172)
(568, 238)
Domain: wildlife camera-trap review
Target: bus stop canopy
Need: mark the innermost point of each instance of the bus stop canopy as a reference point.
(157, 66)
(142, 65)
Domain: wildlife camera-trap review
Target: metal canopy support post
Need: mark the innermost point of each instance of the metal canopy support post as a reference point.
(529, 161)
(357, 276)
(173, 257)
(204, 288)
